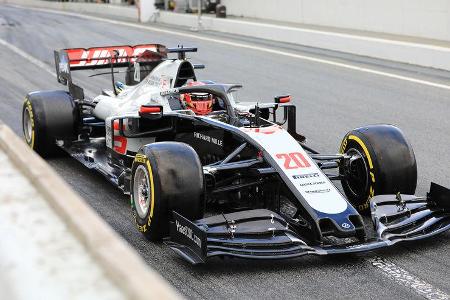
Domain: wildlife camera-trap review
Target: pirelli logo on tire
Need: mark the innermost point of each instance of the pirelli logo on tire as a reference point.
(140, 158)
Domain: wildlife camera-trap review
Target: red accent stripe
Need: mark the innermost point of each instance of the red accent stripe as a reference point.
(116, 125)
(150, 109)
(98, 56)
(122, 149)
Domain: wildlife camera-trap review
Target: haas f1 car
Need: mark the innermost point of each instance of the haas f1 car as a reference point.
(214, 176)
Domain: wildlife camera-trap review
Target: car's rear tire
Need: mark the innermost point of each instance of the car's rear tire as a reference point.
(46, 116)
(387, 164)
(165, 177)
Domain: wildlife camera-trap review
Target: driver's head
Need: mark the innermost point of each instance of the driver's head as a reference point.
(199, 103)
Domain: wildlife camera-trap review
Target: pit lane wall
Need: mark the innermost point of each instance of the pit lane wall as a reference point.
(417, 18)
(391, 48)
(108, 10)
(53, 245)
(424, 53)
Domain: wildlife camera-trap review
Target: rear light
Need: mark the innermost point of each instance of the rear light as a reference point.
(283, 99)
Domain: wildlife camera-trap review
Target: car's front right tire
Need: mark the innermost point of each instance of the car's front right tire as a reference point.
(382, 162)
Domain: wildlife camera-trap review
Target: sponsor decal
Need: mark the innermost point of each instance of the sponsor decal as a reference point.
(63, 67)
(187, 232)
(169, 92)
(80, 57)
(318, 191)
(305, 176)
(345, 225)
(137, 72)
(153, 80)
(312, 183)
(164, 82)
(208, 139)
(293, 160)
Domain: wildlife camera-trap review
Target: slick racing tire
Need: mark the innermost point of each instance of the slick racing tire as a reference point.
(382, 162)
(144, 71)
(47, 116)
(165, 177)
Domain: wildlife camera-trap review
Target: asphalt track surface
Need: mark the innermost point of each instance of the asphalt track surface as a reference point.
(330, 100)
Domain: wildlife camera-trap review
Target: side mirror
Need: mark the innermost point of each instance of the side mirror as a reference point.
(151, 111)
(283, 99)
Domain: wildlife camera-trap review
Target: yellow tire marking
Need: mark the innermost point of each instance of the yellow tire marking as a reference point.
(372, 176)
(343, 145)
(32, 137)
(152, 204)
(363, 146)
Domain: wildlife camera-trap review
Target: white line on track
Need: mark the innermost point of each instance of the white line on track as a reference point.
(405, 278)
(28, 57)
(256, 48)
(352, 36)
(32, 59)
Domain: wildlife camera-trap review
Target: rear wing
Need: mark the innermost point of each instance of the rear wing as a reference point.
(67, 60)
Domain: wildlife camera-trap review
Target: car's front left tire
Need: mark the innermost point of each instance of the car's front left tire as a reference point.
(165, 177)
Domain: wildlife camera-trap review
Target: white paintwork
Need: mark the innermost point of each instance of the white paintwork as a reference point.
(148, 91)
(280, 141)
(419, 18)
(129, 101)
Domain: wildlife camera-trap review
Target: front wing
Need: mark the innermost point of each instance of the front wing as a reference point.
(263, 234)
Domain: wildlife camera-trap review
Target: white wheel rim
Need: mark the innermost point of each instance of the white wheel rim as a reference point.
(27, 125)
(141, 191)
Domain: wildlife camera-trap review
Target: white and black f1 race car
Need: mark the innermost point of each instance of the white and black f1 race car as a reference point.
(214, 176)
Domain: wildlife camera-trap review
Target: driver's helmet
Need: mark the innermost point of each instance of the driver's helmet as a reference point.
(199, 103)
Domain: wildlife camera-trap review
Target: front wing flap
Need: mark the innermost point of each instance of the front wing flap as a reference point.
(263, 234)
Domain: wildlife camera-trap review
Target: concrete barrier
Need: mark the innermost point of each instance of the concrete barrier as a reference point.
(110, 10)
(418, 18)
(117, 261)
(399, 50)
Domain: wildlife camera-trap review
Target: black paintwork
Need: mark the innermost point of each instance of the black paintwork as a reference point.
(247, 187)
(241, 184)
(262, 234)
